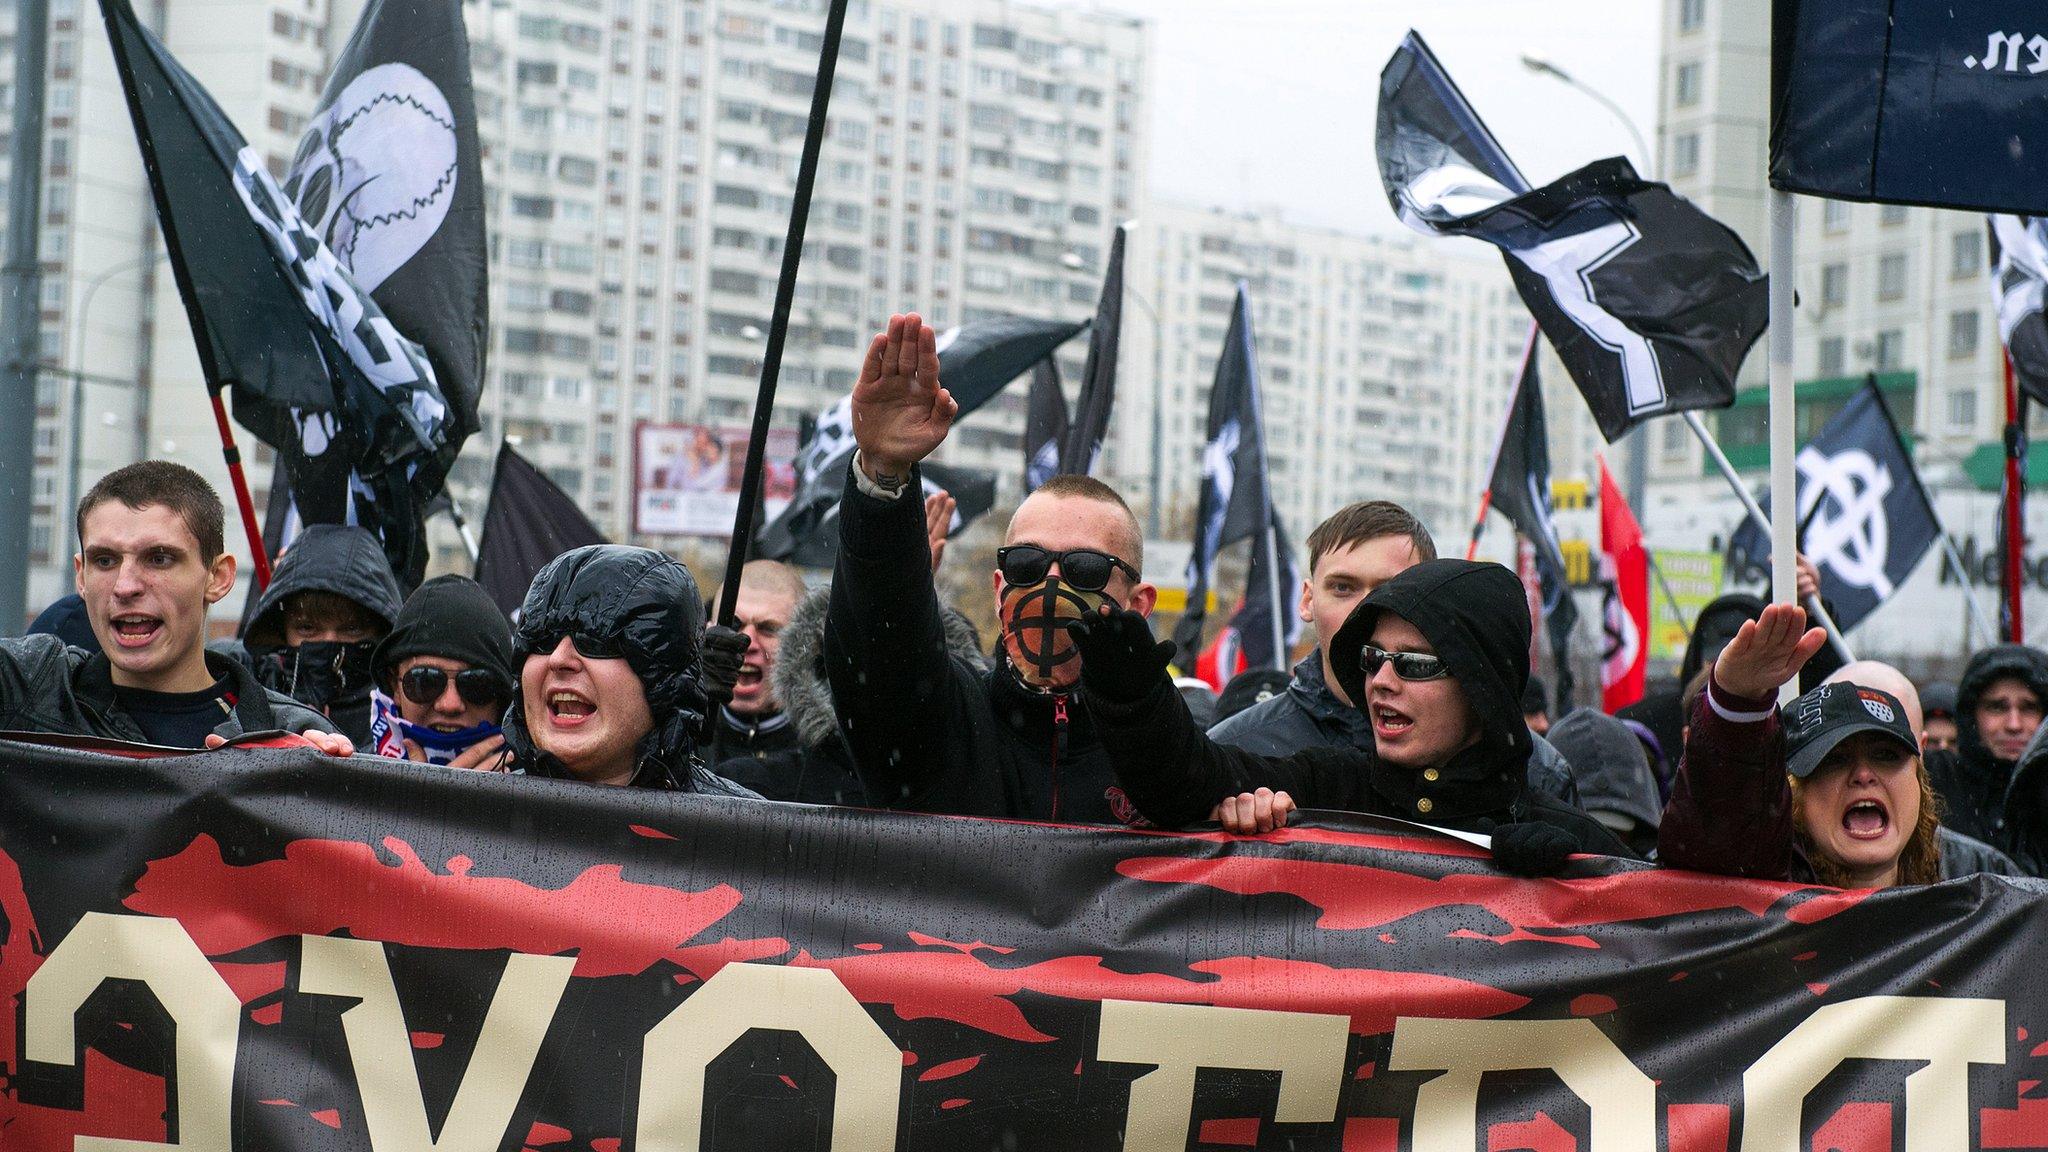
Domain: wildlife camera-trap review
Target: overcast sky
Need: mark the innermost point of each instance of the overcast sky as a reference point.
(1260, 103)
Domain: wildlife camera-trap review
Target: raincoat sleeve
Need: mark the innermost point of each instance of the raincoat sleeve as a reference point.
(1175, 774)
(1731, 807)
(885, 646)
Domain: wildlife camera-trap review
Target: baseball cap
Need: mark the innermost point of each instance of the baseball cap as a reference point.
(1832, 713)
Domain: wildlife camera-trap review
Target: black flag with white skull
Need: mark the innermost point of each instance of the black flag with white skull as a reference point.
(1865, 520)
(2019, 276)
(1651, 303)
(315, 367)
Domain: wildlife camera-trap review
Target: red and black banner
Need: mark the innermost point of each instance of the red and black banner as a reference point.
(273, 950)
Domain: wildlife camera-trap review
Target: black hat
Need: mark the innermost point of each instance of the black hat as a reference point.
(454, 618)
(1832, 713)
(1938, 699)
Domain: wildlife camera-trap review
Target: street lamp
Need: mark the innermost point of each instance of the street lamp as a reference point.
(78, 377)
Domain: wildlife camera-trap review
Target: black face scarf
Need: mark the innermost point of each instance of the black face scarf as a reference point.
(1042, 656)
(321, 674)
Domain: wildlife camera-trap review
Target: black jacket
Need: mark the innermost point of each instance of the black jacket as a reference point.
(803, 759)
(1308, 714)
(932, 731)
(347, 562)
(1974, 785)
(48, 687)
(1474, 615)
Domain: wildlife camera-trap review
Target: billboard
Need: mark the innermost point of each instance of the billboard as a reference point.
(1690, 581)
(686, 477)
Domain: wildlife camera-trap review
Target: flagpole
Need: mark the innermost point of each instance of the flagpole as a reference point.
(258, 558)
(1664, 586)
(1756, 513)
(778, 325)
(1976, 612)
(1479, 524)
(1784, 530)
(2015, 505)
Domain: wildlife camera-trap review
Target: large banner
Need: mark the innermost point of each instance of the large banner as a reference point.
(273, 950)
(686, 477)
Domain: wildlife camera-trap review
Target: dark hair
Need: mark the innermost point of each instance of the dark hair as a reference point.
(1368, 520)
(1089, 488)
(162, 484)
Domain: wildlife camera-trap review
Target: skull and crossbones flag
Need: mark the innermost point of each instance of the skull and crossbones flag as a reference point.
(1651, 303)
(353, 401)
(1865, 521)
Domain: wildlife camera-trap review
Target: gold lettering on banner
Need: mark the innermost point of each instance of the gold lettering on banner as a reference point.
(740, 998)
(1950, 1035)
(1621, 1100)
(204, 1010)
(380, 1046)
(1306, 1048)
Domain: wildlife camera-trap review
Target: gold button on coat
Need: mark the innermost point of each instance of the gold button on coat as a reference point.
(1423, 805)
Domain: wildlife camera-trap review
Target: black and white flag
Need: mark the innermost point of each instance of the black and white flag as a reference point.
(1045, 424)
(2019, 274)
(1865, 520)
(1519, 488)
(1234, 504)
(1098, 380)
(315, 367)
(1651, 303)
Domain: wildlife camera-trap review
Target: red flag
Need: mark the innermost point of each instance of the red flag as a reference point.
(1222, 659)
(1626, 615)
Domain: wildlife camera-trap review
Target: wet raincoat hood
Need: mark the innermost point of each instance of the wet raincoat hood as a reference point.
(342, 559)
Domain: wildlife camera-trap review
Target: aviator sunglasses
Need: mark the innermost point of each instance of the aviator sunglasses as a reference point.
(424, 684)
(1084, 569)
(1407, 665)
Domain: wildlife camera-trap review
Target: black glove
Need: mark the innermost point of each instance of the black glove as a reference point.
(719, 656)
(1533, 849)
(1120, 662)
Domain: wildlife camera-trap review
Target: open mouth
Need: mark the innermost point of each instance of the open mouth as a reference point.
(567, 709)
(134, 630)
(750, 676)
(1390, 722)
(1866, 820)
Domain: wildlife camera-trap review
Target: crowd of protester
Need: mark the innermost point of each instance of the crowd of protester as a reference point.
(1417, 700)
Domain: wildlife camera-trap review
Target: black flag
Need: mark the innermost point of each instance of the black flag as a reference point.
(1098, 380)
(1045, 424)
(1865, 520)
(1651, 303)
(1234, 503)
(1268, 595)
(976, 361)
(530, 521)
(2019, 259)
(1520, 490)
(1935, 104)
(315, 367)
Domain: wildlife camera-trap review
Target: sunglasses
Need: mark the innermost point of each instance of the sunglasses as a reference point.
(587, 646)
(1085, 569)
(479, 686)
(1407, 665)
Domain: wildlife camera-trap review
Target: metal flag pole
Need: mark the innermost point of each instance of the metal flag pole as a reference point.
(2015, 505)
(1784, 526)
(21, 331)
(778, 325)
(1977, 617)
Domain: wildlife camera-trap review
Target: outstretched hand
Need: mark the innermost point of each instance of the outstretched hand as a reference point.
(938, 522)
(1119, 660)
(1767, 652)
(900, 411)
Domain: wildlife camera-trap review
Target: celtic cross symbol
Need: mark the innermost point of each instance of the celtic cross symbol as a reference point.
(1849, 534)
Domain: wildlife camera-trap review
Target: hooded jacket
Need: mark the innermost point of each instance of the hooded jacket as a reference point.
(348, 562)
(1974, 784)
(646, 607)
(1612, 768)
(932, 730)
(1476, 618)
(46, 686)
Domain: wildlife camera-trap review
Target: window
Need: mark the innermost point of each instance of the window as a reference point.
(1962, 334)
(1891, 350)
(1692, 15)
(1834, 216)
(1891, 276)
(1892, 215)
(1832, 360)
(1685, 154)
(1966, 254)
(1834, 285)
(1962, 408)
(1689, 81)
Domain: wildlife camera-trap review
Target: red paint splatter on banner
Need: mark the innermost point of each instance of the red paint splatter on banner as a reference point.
(2040, 1049)
(616, 927)
(21, 953)
(1240, 1132)
(956, 1102)
(1803, 957)
(923, 940)
(268, 1014)
(435, 1040)
(789, 1082)
(1817, 989)
(650, 833)
(1353, 896)
(1858, 1126)
(330, 1117)
(280, 1102)
(1698, 1127)
(1366, 1070)
(949, 1069)
(1521, 934)
(605, 1144)
(2017, 1127)
(541, 1134)
(1538, 1134)
(909, 1058)
(1425, 845)
(2020, 1033)
(1677, 976)
(704, 960)
(868, 947)
(1593, 1004)
(120, 1102)
(1372, 1134)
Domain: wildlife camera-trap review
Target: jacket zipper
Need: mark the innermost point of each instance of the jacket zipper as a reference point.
(1059, 747)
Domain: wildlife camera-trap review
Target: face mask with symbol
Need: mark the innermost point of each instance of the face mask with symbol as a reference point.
(1035, 617)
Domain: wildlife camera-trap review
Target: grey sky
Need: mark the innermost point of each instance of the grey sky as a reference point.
(1270, 102)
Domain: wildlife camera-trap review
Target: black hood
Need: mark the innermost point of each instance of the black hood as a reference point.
(1985, 669)
(344, 560)
(1714, 628)
(646, 606)
(1609, 764)
(454, 618)
(1476, 617)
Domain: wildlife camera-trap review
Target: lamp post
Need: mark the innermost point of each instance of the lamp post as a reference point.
(74, 487)
(1637, 478)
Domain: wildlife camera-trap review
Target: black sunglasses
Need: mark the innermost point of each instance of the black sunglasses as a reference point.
(1083, 568)
(424, 684)
(1407, 665)
(589, 647)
